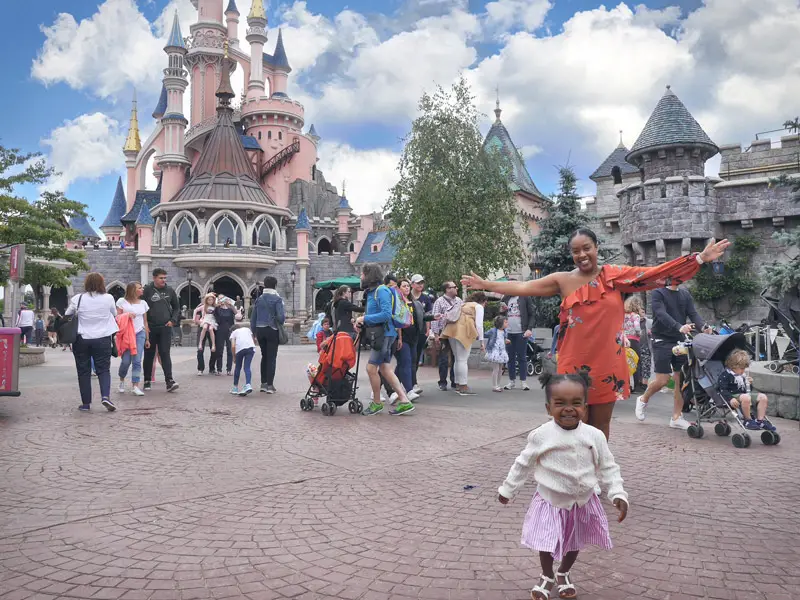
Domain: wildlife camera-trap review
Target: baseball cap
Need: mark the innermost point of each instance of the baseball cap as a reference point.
(417, 278)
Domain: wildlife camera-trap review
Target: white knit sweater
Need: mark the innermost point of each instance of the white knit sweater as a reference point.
(567, 465)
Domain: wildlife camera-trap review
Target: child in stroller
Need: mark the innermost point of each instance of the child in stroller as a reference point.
(734, 386)
(333, 378)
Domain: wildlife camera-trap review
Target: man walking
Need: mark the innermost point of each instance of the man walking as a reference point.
(448, 303)
(164, 313)
(671, 307)
(426, 302)
(521, 321)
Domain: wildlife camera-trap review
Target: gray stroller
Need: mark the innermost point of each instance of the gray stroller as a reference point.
(706, 361)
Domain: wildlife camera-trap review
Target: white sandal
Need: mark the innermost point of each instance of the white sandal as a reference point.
(566, 586)
(541, 589)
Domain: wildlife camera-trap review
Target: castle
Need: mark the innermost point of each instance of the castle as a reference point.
(655, 203)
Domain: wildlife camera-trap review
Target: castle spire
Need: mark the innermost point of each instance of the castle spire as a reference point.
(497, 111)
(257, 10)
(175, 37)
(279, 58)
(225, 90)
(133, 143)
(621, 143)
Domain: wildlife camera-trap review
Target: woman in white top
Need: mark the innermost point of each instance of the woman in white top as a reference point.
(96, 316)
(25, 323)
(462, 333)
(133, 305)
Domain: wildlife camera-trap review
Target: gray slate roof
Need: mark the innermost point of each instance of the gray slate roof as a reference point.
(161, 107)
(145, 218)
(149, 197)
(671, 123)
(615, 159)
(175, 37)
(383, 256)
(81, 225)
(118, 208)
(499, 138)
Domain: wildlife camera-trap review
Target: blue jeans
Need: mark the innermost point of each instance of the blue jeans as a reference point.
(243, 358)
(517, 354)
(403, 370)
(86, 352)
(136, 359)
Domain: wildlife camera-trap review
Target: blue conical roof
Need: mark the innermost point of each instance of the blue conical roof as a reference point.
(302, 221)
(312, 131)
(118, 208)
(343, 203)
(82, 226)
(175, 37)
(161, 107)
(499, 139)
(279, 59)
(232, 7)
(145, 218)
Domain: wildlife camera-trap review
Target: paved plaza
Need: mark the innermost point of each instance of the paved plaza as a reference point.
(200, 494)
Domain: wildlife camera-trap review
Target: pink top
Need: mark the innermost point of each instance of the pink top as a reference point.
(632, 325)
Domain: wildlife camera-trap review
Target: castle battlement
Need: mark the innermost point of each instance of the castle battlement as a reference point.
(762, 159)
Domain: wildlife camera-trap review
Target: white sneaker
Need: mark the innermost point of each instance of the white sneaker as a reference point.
(393, 398)
(137, 392)
(412, 395)
(121, 387)
(641, 409)
(510, 385)
(417, 390)
(525, 387)
(679, 423)
(383, 396)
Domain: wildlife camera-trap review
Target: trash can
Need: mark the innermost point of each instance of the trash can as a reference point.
(9, 360)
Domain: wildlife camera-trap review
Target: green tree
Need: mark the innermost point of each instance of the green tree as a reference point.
(549, 248)
(452, 209)
(730, 294)
(41, 225)
(784, 276)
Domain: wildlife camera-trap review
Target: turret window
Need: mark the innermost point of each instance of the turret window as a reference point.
(269, 135)
(264, 234)
(280, 135)
(225, 231)
(259, 135)
(616, 173)
(185, 233)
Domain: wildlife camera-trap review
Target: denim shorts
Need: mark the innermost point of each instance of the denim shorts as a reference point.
(384, 355)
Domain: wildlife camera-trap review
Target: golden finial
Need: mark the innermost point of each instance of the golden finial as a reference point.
(133, 143)
(257, 10)
(225, 48)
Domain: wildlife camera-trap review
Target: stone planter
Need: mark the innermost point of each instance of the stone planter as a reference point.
(782, 389)
(31, 356)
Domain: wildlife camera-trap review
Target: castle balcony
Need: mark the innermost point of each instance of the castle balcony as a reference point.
(264, 111)
(196, 134)
(201, 256)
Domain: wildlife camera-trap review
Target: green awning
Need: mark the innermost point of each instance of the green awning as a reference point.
(350, 281)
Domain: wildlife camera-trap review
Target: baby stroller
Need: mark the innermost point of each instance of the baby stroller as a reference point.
(534, 355)
(333, 378)
(786, 314)
(706, 355)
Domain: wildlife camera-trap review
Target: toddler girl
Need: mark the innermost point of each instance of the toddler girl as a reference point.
(496, 340)
(569, 459)
(734, 385)
(208, 322)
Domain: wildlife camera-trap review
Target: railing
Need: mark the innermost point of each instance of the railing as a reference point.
(205, 126)
(280, 159)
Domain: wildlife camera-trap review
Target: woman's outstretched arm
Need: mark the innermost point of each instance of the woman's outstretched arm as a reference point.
(546, 286)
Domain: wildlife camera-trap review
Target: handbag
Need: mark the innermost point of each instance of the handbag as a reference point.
(454, 314)
(283, 338)
(68, 330)
(114, 349)
(375, 336)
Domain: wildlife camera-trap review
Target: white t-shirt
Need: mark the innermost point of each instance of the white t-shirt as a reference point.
(242, 338)
(138, 311)
(96, 316)
(26, 318)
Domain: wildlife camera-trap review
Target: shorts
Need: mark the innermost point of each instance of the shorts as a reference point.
(664, 361)
(384, 355)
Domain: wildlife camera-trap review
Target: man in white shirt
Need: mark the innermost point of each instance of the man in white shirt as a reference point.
(25, 323)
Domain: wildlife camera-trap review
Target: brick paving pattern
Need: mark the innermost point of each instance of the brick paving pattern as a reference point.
(200, 494)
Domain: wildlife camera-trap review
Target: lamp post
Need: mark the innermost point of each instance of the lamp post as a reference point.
(311, 295)
(188, 288)
(293, 276)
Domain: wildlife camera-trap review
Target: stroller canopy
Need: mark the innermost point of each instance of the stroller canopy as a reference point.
(717, 347)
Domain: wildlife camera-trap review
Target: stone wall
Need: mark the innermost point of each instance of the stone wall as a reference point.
(782, 389)
(761, 159)
(116, 265)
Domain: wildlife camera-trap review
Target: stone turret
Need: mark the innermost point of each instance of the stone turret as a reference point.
(672, 210)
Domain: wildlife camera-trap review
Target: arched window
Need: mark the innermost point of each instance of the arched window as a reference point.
(264, 234)
(185, 233)
(269, 135)
(324, 247)
(616, 173)
(280, 135)
(259, 135)
(352, 247)
(225, 229)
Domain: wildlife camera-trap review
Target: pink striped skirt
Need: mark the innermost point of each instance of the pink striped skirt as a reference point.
(561, 530)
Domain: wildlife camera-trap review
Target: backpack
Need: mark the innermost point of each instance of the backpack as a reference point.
(401, 316)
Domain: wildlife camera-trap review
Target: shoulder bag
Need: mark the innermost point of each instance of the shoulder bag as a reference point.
(68, 330)
(283, 338)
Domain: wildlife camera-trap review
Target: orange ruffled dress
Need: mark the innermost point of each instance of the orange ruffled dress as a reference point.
(591, 332)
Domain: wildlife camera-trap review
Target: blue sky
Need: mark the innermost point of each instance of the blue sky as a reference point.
(572, 73)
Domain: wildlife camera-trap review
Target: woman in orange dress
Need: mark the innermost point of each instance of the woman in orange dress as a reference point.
(591, 334)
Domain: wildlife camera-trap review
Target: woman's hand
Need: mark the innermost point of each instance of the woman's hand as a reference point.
(399, 343)
(714, 250)
(147, 343)
(622, 507)
(473, 281)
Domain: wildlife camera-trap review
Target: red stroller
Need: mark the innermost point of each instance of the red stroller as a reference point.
(334, 379)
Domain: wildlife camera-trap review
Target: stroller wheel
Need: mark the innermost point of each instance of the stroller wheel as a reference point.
(768, 438)
(333, 409)
(303, 404)
(359, 406)
(351, 406)
(777, 438)
(722, 429)
(326, 409)
(738, 440)
(747, 440)
(538, 368)
(695, 431)
(773, 366)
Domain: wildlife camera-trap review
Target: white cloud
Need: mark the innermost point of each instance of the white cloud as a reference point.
(369, 173)
(507, 14)
(89, 147)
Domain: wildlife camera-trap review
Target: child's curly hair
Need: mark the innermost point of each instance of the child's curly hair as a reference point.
(548, 380)
(499, 320)
(738, 359)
